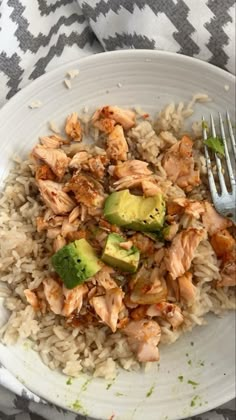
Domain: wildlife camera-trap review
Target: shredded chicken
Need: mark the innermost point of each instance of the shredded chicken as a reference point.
(54, 295)
(228, 273)
(97, 165)
(213, 221)
(171, 312)
(127, 245)
(179, 164)
(73, 127)
(55, 198)
(44, 224)
(103, 278)
(86, 190)
(171, 231)
(53, 142)
(73, 299)
(222, 242)
(56, 159)
(106, 125)
(58, 243)
(150, 188)
(186, 288)
(181, 252)
(117, 145)
(108, 306)
(78, 159)
(131, 167)
(44, 172)
(125, 117)
(143, 243)
(190, 207)
(32, 298)
(148, 288)
(143, 337)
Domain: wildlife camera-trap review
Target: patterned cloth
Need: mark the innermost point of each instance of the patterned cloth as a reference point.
(39, 35)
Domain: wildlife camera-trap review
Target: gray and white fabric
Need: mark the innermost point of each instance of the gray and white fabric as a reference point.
(39, 35)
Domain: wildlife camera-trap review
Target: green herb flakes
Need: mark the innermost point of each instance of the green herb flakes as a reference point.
(192, 383)
(69, 381)
(180, 378)
(150, 391)
(216, 144)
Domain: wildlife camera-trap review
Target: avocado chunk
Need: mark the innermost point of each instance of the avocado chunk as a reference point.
(135, 212)
(118, 257)
(76, 262)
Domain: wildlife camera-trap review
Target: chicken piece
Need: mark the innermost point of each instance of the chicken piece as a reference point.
(58, 243)
(103, 224)
(131, 167)
(150, 188)
(54, 295)
(169, 311)
(181, 252)
(44, 172)
(126, 245)
(103, 278)
(170, 231)
(68, 227)
(74, 215)
(179, 165)
(97, 165)
(73, 299)
(222, 242)
(73, 127)
(183, 205)
(86, 189)
(172, 287)
(143, 337)
(213, 221)
(52, 142)
(186, 288)
(143, 243)
(147, 288)
(128, 182)
(124, 117)
(52, 222)
(108, 306)
(55, 198)
(228, 273)
(56, 159)
(106, 125)
(32, 298)
(78, 159)
(139, 312)
(52, 233)
(117, 145)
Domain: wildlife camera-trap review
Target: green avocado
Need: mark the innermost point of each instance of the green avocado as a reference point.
(135, 212)
(76, 262)
(118, 257)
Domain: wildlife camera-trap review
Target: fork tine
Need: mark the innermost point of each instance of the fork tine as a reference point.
(218, 161)
(231, 134)
(211, 180)
(227, 157)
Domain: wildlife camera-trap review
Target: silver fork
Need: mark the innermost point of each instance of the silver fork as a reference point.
(225, 202)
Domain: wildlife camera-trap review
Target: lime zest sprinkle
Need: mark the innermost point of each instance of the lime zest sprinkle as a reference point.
(150, 391)
(69, 381)
(192, 383)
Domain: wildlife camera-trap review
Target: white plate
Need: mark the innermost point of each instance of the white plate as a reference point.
(151, 79)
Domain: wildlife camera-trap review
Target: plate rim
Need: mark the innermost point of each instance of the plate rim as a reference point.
(92, 57)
